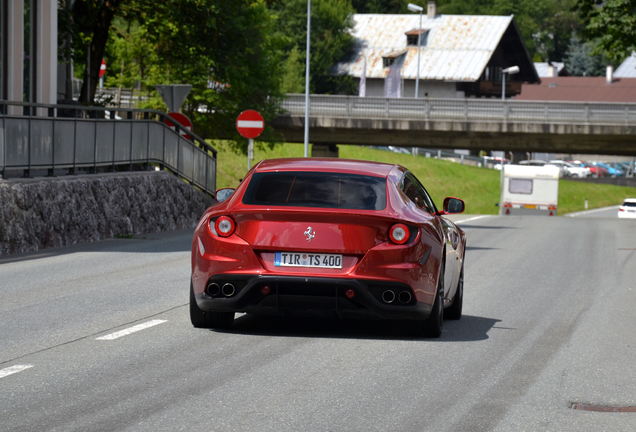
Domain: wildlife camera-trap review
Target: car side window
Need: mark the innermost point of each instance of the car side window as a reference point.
(414, 190)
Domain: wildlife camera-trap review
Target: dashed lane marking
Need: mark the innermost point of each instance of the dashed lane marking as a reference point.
(13, 369)
(472, 219)
(130, 330)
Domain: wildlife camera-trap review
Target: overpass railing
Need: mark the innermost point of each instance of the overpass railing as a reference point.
(463, 109)
(72, 139)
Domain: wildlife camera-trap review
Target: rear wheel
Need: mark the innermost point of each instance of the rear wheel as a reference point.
(205, 319)
(455, 311)
(432, 326)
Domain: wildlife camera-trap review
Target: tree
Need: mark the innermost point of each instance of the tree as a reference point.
(611, 24)
(580, 60)
(546, 25)
(331, 40)
(91, 21)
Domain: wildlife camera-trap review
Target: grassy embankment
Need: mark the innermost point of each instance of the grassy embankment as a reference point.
(477, 186)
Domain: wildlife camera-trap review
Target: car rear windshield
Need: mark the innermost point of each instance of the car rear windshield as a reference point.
(629, 204)
(317, 189)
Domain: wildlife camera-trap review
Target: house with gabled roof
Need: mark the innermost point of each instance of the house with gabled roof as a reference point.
(460, 56)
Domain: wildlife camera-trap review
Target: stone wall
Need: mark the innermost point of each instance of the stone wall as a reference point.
(44, 213)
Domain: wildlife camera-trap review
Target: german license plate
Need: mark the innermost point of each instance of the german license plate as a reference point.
(314, 260)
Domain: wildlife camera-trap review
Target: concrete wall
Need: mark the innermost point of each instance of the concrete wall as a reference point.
(37, 214)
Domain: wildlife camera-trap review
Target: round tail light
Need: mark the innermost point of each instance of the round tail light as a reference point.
(399, 234)
(225, 226)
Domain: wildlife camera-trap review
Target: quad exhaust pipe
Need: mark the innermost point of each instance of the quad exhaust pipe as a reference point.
(214, 289)
(228, 290)
(403, 297)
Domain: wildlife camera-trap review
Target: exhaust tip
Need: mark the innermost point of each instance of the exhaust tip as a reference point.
(388, 296)
(228, 290)
(213, 289)
(404, 297)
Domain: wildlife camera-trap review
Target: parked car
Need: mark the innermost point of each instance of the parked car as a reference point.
(595, 170)
(614, 172)
(628, 209)
(571, 170)
(562, 172)
(495, 162)
(334, 237)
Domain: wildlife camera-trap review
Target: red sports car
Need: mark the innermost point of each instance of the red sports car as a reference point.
(346, 238)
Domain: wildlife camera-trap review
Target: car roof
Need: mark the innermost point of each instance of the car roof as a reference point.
(351, 166)
(630, 200)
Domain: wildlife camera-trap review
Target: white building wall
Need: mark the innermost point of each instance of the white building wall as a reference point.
(428, 89)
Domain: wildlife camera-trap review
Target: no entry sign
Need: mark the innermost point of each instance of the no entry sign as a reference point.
(102, 68)
(250, 124)
(181, 119)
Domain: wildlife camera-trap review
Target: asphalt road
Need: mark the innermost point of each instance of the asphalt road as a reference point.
(548, 322)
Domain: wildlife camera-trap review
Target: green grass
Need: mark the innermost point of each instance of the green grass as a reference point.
(478, 187)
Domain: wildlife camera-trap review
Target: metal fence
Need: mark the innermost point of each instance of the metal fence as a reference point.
(463, 109)
(73, 139)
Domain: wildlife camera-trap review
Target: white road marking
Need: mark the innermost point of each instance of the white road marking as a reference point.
(131, 330)
(472, 219)
(582, 213)
(13, 369)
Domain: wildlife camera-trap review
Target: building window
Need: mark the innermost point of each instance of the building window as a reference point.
(388, 61)
(411, 37)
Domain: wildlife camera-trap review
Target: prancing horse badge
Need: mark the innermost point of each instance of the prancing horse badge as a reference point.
(310, 233)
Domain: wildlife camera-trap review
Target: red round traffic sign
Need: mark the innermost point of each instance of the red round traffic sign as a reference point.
(182, 119)
(250, 124)
(102, 68)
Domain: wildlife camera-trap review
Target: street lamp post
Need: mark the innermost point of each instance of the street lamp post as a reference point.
(307, 80)
(510, 71)
(415, 8)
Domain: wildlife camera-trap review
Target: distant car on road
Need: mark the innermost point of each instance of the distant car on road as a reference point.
(334, 237)
(628, 209)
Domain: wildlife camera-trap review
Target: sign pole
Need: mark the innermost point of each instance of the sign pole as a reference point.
(250, 153)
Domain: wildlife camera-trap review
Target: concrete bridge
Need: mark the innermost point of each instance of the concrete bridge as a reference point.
(475, 124)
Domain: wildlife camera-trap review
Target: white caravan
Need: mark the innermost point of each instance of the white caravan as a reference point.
(529, 190)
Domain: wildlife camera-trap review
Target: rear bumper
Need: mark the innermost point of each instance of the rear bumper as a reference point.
(314, 296)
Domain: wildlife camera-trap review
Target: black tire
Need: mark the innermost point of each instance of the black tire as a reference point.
(433, 325)
(455, 311)
(203, 319)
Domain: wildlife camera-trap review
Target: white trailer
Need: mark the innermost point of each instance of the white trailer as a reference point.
(529, 190)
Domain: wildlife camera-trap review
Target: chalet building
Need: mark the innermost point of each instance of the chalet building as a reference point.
(460, 55)
(627, 69)
(581, 89)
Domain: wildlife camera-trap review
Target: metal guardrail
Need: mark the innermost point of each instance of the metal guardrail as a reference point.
(50, 138)
(484, 110)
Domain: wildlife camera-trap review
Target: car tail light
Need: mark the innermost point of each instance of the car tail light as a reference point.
(621, 209)
(399, 234)
(224, 226)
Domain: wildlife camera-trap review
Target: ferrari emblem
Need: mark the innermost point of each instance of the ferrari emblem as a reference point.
(310, 233)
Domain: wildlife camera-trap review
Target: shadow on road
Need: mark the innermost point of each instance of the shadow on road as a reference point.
(172, 241)
(468, 329)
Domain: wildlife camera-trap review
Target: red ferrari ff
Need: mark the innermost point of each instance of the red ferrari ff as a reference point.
(347, 238)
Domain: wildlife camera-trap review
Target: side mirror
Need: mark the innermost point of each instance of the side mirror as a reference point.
(223, 194)
(453, 205)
